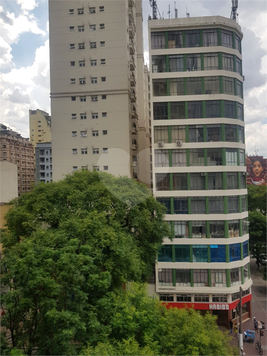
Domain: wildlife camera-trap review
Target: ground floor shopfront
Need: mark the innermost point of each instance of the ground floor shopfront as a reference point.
(224, 311)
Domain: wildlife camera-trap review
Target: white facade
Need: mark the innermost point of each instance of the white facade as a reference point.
(93, 57)
(198, 155)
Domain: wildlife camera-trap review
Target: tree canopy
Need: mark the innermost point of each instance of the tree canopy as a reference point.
(257, 222)
(66, 245)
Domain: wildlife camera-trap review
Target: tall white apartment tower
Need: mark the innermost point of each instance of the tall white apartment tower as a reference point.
(94, 106)
(199, 170)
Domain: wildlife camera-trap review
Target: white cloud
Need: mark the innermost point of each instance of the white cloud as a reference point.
(27, 5)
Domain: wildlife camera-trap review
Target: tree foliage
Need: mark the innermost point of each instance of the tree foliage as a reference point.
(144, 326)
(66, 245)
(257, 196)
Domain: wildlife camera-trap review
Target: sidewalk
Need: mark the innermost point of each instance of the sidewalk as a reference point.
(259, 308)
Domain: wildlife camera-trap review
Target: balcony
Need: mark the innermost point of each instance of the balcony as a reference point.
(133, 96)
(132, 63)
(131, 31)
(130, 3)
(132, 80)
(134, 129)
(132, 47)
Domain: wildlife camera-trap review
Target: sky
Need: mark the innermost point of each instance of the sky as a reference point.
(24, 59)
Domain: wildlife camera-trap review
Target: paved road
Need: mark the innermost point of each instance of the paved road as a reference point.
(259, 308)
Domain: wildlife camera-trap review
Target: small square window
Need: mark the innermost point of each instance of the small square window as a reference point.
(72, 46)
(92, 27)
(104, 97)
(81, 46)
(73, 116)
(94, 115)
(94, 98)
(93, 62)
(80, 11)
(92, 44)
(105, 132)
(83, 98)
(101, 8)
(74, 168)
(96, 168)
(104, 114)
(103, 61)
(105, 168)
(71, 11)
(102, 26)
(91, 10)
(95, 151)
(73, 98)
(95, 133)
(74, 133)
(72, 81)
(93, 80)
(103, 79)
(72, 63)
(82, 81)
(105, 150)
(83, 116)
(84, 151)
(71, 28)
(74, 151)
(81, 63)
(83, 133)
(102, 43)
(81, 28)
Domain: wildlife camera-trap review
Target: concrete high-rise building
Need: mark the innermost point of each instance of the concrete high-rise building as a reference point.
(43, 162)
(40, 126)
(16, 149)
(96, 65)
(199, 170)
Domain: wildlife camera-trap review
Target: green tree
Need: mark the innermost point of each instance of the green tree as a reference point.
(257, 235)
(66, 246)
(147, 327)
(257, 196)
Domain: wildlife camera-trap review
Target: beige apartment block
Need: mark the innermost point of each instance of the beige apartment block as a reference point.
(199, 171)
(94, 76)
(40, 126)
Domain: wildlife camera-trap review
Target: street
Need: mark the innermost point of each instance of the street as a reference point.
(259, 304)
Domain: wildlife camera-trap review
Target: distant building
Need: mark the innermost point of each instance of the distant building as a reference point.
(40, 126)
(8, 187)
(43, 162)
(17, 149)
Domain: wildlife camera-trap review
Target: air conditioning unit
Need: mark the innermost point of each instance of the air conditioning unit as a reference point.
(203, 174)
(160, 144)
(179, 143)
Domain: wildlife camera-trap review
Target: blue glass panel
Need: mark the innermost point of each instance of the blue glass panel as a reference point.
(235, 252)
(165, 254)
(217, 253)
(245, 249)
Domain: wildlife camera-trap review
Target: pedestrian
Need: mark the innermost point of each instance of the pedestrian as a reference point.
(235, 330)
(231, 326)
(255, 324)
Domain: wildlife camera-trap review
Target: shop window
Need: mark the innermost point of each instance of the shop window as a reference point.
(201, 298)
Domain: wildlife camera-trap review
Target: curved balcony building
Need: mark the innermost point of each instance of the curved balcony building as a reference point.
(199, 172)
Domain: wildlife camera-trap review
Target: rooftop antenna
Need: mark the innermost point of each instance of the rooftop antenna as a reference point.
(175, 10)
(234, 13)
(169, 12)
(187, 13)
(155, 10)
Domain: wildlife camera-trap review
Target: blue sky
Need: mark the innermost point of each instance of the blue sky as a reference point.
(24, 59)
